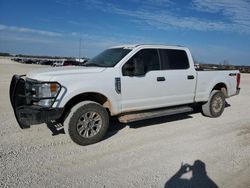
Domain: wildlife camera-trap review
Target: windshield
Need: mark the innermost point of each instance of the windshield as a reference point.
(108, 58)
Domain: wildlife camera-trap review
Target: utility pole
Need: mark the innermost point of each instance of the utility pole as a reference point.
(80, 43)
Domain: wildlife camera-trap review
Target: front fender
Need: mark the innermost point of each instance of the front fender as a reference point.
(67, 94)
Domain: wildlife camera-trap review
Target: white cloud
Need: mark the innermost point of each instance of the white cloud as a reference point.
(29, 30)
(154, 3)
(73, 22)
(228, 15)
(25, 39)
(237, 12)
(165, 19)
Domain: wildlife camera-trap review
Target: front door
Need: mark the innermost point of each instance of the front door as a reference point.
(142, 82)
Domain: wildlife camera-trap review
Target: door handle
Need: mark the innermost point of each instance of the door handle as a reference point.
(160, 79)
(190, 77)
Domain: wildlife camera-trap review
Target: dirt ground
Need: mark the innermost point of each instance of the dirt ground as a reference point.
(141, 154)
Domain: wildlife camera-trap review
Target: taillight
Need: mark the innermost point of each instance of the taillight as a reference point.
(238, 81)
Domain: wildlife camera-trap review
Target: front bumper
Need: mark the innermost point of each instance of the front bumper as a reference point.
(28, 114)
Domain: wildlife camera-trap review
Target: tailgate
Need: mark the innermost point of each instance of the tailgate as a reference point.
(234, 82)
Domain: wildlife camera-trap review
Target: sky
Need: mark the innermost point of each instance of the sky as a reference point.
(214, 30)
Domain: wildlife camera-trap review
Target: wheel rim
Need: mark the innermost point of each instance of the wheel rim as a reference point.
(89, 124)
(217, 104)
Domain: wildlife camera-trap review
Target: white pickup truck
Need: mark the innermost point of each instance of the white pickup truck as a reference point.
(131, 82)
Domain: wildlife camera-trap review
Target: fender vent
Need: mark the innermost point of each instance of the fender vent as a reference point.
(118, 85)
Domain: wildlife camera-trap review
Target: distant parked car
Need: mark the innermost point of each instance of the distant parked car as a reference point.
(46, 62)
(28, 61)
(17, 59)
(57, 64)
(71, 63)
(83, 62)
(38, 61)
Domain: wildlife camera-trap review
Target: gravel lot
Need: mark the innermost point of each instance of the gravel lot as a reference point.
(142, 154)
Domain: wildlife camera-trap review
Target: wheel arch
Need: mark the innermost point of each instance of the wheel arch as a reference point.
(222, 87)
(88, 96)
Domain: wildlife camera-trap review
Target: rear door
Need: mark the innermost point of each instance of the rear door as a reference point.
(180, 77)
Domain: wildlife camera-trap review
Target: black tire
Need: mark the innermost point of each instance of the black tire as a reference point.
(215, 105)
(87, 123)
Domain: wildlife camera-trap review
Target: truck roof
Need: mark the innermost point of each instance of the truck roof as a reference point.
(132, 46)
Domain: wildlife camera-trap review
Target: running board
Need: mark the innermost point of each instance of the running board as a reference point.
(154, 113)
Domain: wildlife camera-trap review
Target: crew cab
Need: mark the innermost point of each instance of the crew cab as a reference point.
(131, 82)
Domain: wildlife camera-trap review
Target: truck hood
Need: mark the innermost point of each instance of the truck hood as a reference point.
(46, 74)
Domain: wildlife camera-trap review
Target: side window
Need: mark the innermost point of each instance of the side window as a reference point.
(142, 62)
(174, 59)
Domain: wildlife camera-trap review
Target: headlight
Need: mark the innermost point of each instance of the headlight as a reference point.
(44, 94)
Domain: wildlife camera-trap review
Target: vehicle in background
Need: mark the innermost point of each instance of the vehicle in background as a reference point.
(71, 63)
(46, 62)
(81, 60)
(57, 64)
(53, 63)
(28, 61)
(17, 59)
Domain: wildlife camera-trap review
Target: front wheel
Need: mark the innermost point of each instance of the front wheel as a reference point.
(87, 123)
(215, 105)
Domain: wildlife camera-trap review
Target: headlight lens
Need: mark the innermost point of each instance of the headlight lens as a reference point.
(45, 93)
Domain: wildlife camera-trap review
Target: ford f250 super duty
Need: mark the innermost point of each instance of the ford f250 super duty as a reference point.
(131, 82)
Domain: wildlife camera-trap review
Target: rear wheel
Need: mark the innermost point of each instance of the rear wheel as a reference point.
(215, 105)
(87, 123)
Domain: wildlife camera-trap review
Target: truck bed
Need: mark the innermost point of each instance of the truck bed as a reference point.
(208, 79)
